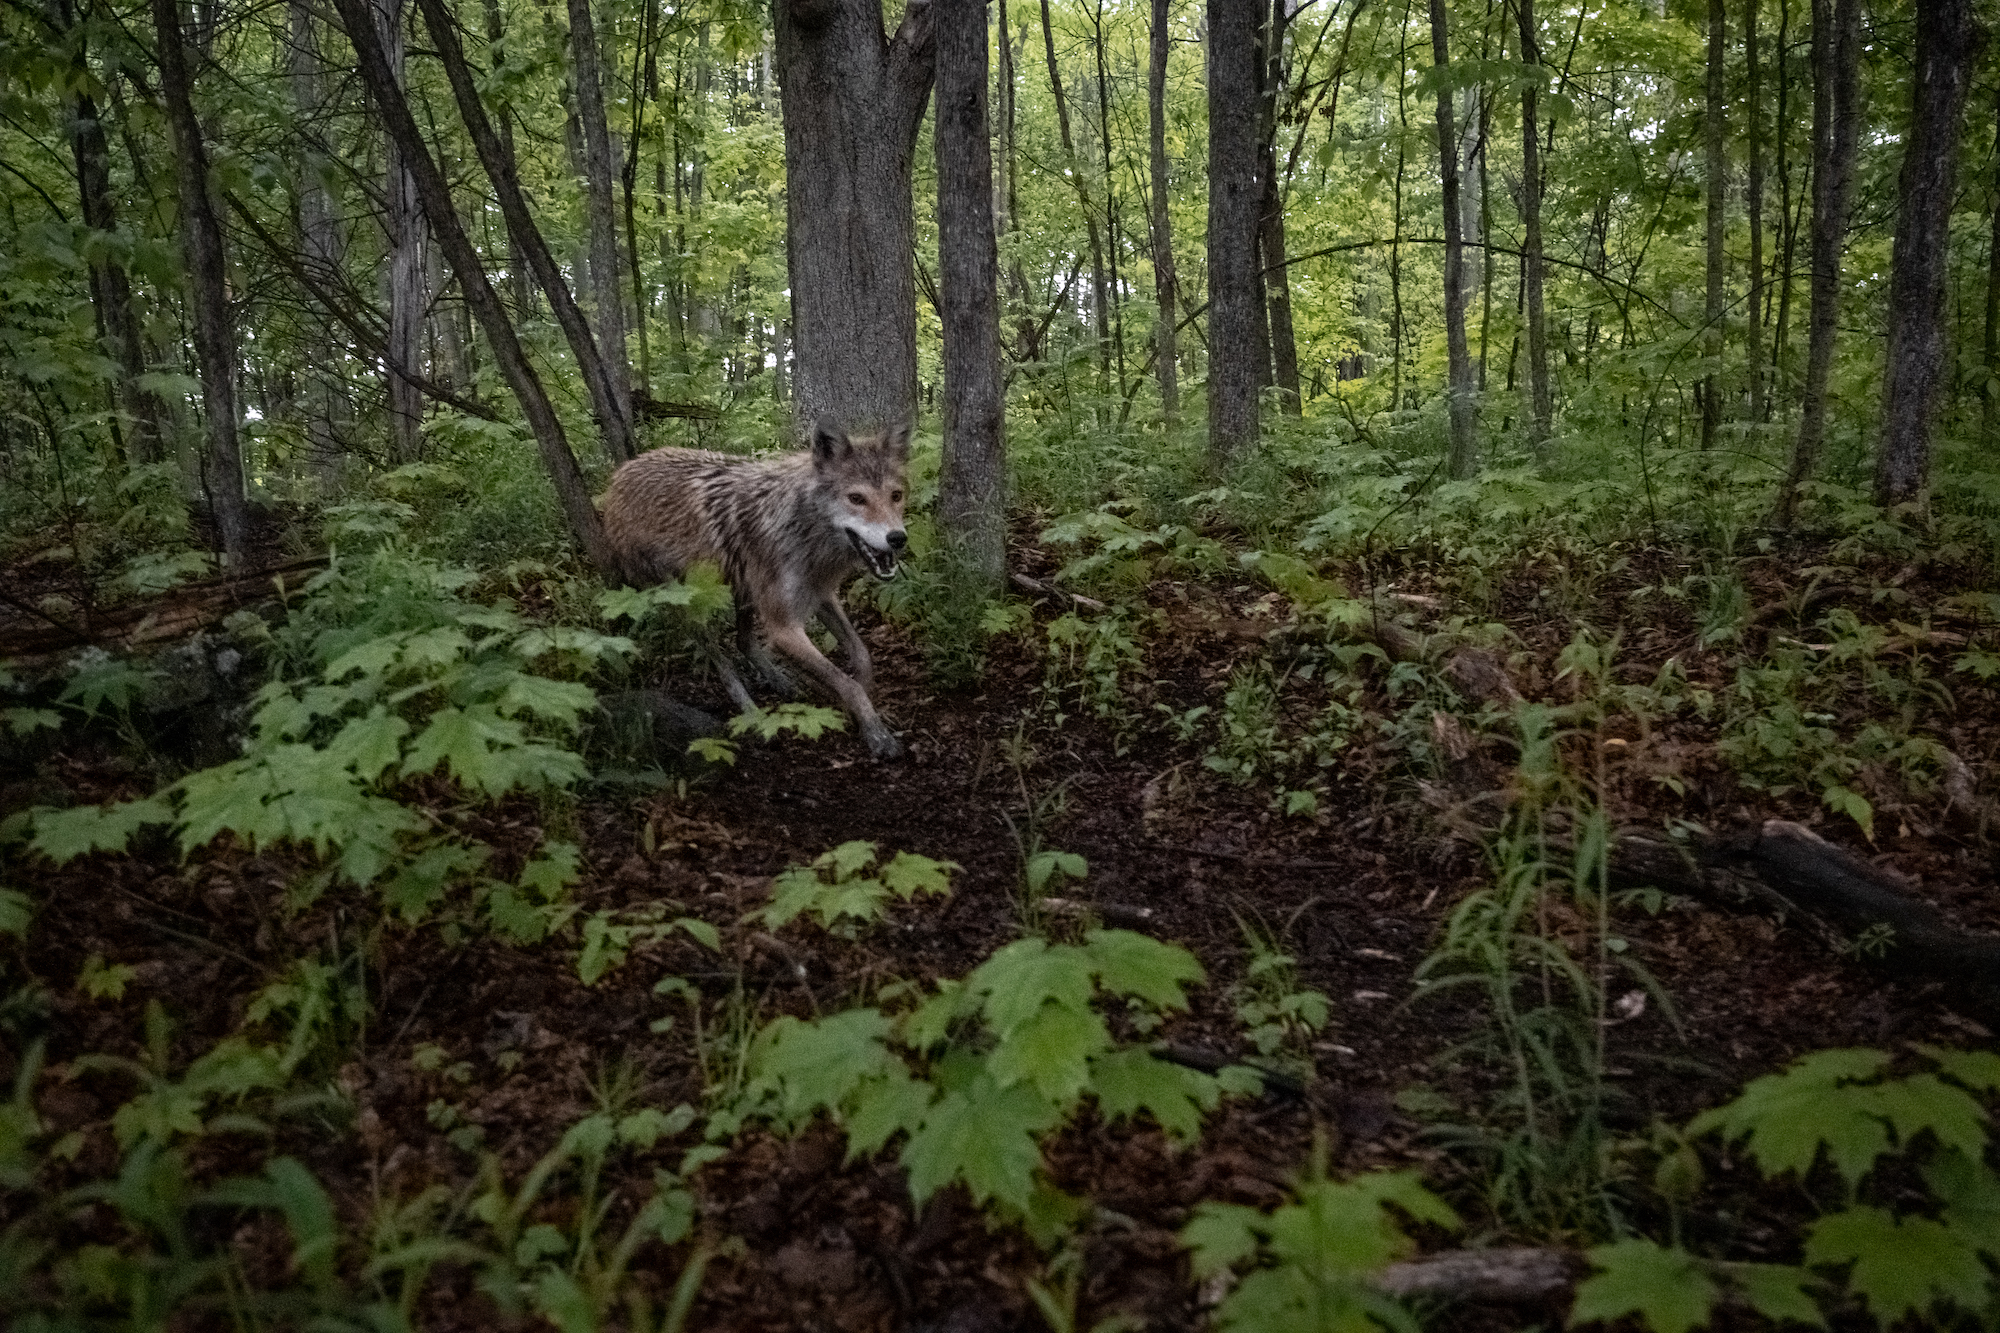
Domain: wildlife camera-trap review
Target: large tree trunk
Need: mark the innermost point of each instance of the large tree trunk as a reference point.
(1464, 448)
(1836, 58)
(1753, 204)
(321, 252)
(1948, 46)
(1717, 169)
(972, 485)
(606, 298)
(1234, 196)
(1541, 405)
(498, 159)
(572, 491)
(853, 99)
(1165, 280)
(208, 275)
(403, 223)
(1100, 304)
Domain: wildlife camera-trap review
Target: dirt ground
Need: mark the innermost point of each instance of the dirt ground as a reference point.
(1359, 894)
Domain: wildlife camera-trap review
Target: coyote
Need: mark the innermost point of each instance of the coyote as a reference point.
(787, 531)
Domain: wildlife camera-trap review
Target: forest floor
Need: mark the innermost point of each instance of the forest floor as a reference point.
(1357, 892)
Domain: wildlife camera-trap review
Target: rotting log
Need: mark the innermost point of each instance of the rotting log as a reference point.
(1785, 867)
(1503, 1276)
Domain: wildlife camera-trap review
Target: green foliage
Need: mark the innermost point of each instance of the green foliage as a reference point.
(1280, 1016)
(608, 936)
(838, 890)
(980, 1070)
(1310, 1261)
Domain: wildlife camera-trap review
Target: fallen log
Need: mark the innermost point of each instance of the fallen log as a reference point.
(1509, 1275)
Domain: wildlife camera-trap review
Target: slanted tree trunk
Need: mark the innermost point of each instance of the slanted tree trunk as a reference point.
(1464, 448)
(1165, 280)
(1273, 272)
(607, 299)
(1753, 204)
(1234, 195)
(403, 225)
(972, 483)
(1836, 59)
(1949, 41)
(1718, 188)
(1099, 303)
(208, 275)
(321, 252)
(1541, 406)
(853, 99)
(572, 491)
(614, 428)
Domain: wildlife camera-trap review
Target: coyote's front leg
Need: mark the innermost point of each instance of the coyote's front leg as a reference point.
(795, 643)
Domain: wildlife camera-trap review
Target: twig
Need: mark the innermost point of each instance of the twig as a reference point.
(1026, 584)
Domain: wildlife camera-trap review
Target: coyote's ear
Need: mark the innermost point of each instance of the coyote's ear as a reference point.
(828, 444)
(896, 442)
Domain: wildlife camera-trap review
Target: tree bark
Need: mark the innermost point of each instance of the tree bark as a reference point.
(1166, 281)
(1990, 402)
(1110, 200)
(613, 427)
(1541, 419)
(1718, 191)
(606, 297)
(403, 224)
(1234, 196)
(1464, 448)
(1753, 204)
(321, 253)
(972, 484)
(1949, 41)
(1274, 275)
(1836, 58)
(1100, 304)
(572, 491)
(208, 275)
(853, 99)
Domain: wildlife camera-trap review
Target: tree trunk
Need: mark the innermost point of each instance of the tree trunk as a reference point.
(1274, 274)
(1234, 196)
(1110, 200)
(1541, 417)
(1098, 302)
(1949, 41)
(1989, 413)
(1165, 280)
(1836, 58)
(1753, 204)
(606, 298)
(322, 253)
(972, 484)
(853, 99)
(498, 159)
(403, 226)
(1718, 187)
(1464, 448)
(208, 276)
(572, 491)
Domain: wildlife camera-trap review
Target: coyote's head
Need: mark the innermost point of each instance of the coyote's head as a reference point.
(863, 482)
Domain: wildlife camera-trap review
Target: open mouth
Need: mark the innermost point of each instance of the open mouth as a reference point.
(881, 563)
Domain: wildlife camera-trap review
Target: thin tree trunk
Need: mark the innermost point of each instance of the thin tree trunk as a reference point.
(1788, 220)
(1836, 55)
(973, 479)
(1165, 281)
(1718, 188)
(1990, 400)
(322, 253)
(572, 491)
(1110, 201)
(1017, 279)
(520, 282)
(853, 98)
(645, 79)
(1949, 41)
(1274, 273)
(1099, 303)
(613, 427)
(607, 299)
(1464, 448)
(208, 275)
(1753, 204)
(403, 226)
(1234, 193)
(1541, 419)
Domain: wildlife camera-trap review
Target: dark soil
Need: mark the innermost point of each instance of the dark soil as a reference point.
(1359, 893)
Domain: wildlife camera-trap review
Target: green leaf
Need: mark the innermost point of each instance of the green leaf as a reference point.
(26, 721)
(1130, 1081)
(1970, 1192)
(309, 1214)
(820, 1064)
(1902, 1266)
(848, 859)
(553, 871)
(714, 749)
(1777, 1291)
(369, 745)
(701, 932)
(558, 701)
(1128, 963)
(1019, 978)
(563, 1302)
(1670, 1290)
(1925, 1102)
(1051, 1050)
(17, 913)
(884, 1106)
(1788, 1115)
(1221, 1235)
(63, 835)
(99, 981)
(1978, 1070)
(985, 1137)
(908, 874)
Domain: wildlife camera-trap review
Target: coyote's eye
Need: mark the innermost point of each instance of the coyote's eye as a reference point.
(856, 498)
(895, 497)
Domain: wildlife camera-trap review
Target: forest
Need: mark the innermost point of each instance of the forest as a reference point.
(1437, 652)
